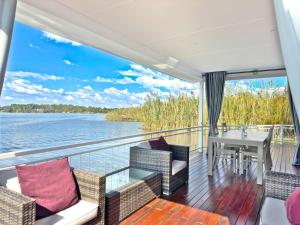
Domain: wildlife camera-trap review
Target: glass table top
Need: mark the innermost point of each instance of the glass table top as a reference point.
(124, 178)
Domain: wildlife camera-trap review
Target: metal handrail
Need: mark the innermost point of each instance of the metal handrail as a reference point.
(18, 159)
(82, 144)
(64, 147)
(8, 160)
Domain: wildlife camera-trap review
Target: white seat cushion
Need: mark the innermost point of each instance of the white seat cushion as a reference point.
(9, 179)
(77, 214)
(273, 212)
(145, 144)
(177, 166)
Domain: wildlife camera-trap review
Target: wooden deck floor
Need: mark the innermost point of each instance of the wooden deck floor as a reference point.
(237, 197)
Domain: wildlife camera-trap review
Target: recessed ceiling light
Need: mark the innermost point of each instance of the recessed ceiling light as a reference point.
(163, 66)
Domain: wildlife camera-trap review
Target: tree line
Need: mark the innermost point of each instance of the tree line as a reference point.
(52, 108)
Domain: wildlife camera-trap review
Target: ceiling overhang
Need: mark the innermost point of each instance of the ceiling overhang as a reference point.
(182, 38)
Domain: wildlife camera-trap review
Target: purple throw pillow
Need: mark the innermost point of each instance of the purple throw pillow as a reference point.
(51, 184)
(292, 205)
(160, 144)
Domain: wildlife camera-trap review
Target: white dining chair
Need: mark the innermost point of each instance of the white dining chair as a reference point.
(226, 152)
(250, 153)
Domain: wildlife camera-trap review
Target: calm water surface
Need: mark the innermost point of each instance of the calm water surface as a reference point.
(23, 131)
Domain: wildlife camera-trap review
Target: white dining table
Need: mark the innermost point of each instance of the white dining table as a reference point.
(254, 138)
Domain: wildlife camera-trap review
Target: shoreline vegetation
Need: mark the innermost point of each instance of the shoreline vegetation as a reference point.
(240, 107)
(53, 108)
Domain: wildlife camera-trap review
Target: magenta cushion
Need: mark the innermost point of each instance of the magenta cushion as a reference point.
(292, 205)
(51, 184)
(160, 144)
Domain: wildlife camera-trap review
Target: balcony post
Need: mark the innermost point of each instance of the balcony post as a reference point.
(281, 134)
(7, 18)
(200, 115)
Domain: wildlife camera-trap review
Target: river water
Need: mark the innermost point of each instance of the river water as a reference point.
(23, 131)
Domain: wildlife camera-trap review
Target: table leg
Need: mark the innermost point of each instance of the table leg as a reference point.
(260, 164)
(210, 157)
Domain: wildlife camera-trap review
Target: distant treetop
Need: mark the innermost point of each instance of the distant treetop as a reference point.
(55, 108)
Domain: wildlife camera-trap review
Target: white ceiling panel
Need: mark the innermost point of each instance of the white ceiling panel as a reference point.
(198, 35)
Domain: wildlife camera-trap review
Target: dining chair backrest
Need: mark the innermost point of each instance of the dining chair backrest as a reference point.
(224, 127)
(269, 139)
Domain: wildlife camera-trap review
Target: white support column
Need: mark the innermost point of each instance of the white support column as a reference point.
(200, 123)
(288, 26)
(7, 18)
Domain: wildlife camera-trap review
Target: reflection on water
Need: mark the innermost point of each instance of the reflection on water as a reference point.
(21, 131)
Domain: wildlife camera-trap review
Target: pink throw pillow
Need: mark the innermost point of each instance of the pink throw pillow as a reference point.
(292, 205)
(51, 184)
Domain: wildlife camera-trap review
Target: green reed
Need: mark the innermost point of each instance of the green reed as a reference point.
(248, 107)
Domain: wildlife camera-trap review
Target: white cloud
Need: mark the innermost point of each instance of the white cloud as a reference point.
(58, 91)
(116, 92)
(103, 80)
(33, 46)
(170, 84)
(150, 79)
(125, 80)
(7, 98)
(87, 88)
(42, 99)
(59, 39)
(138, 70)
(69, 98)
(86, 93)
(26, 87)
(22, 74)
(153, 82)
(67, 62)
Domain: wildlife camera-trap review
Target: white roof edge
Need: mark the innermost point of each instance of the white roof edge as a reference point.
(67, 24)
(31, 16)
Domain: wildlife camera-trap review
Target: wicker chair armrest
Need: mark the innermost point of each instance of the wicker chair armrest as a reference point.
(15, 208)
(280, 185)
(149, 159)
(180, 152)
(91, 186)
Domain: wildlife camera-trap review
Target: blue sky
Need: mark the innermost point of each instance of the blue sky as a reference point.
(46, 69)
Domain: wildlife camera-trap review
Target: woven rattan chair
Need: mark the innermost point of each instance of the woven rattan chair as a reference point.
(17, 209)
(163, 162)
(278, 186)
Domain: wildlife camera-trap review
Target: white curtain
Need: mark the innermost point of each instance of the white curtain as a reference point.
(288, 22)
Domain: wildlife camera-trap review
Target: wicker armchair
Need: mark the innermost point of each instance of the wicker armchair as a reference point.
(162, 161)
(280, 185)
(17, 209)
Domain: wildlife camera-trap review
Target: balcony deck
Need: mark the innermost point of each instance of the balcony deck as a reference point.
(237, 197)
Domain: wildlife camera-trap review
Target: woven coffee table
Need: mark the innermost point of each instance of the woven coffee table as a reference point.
(128, 190)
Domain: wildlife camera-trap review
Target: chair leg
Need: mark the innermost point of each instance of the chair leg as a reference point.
(216, 161)
(247, 161)
(268, 160)
(243, 162)
(234, 164)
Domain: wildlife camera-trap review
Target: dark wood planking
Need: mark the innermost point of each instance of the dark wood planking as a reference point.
(236, 197)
